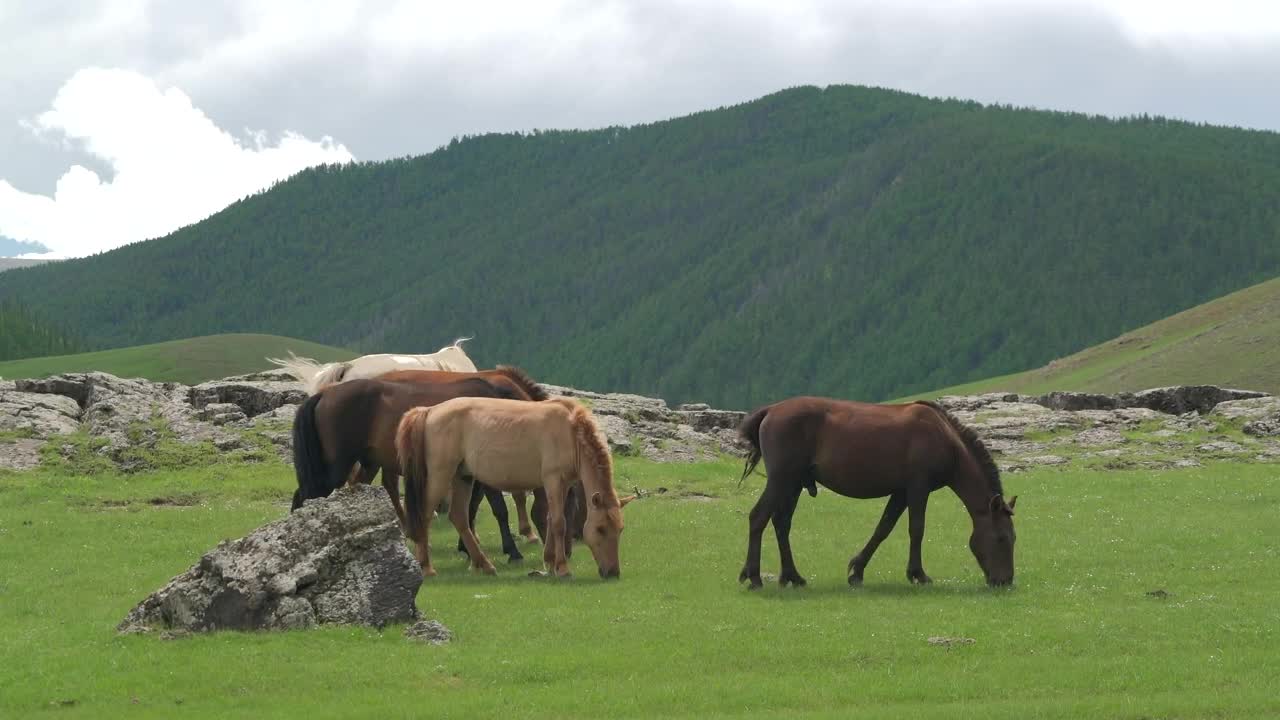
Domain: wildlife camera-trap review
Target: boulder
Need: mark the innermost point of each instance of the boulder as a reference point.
(37, 414)
(253, 398)
(340, 560)
(1252, 409)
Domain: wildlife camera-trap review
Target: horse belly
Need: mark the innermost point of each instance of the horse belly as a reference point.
(505, 470)
(860, 481)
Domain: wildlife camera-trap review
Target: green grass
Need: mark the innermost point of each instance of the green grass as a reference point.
(186, 361)
(1078, 637)
(1230, 342)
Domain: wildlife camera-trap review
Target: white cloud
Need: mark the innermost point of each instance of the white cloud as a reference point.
(172, 165)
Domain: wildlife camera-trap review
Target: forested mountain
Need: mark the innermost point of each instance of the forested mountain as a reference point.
(848, 241)
(23, 336)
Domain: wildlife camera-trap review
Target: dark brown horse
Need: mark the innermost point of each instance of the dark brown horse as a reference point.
(861, 450)
(355, 421)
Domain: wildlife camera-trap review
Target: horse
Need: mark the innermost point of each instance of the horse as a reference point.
(315, 377)
(355, 421)
(535, 392)
(512, 446)
(865, 451)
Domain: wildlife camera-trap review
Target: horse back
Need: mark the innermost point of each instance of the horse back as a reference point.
(857, 449)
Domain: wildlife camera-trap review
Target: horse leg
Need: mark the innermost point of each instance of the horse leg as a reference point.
(916, 502)
(498, 505)
(391, 483)
(473, 506)
(540, 512)
(759, 518)
(553, 547)
(892, 511)
(437, 482)
(782, 529)
(458, 509)
(522, 513)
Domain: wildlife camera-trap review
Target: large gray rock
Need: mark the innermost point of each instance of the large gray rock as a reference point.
(1261, 408)
(252, 397)
(37, 414)
(339, 560)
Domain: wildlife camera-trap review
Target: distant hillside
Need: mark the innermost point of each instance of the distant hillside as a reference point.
(845, 241)
(186, 361)
(1233, 341)
(7, 263)
(23, 335)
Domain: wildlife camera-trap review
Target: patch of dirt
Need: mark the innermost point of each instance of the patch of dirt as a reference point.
(1159, 594)
(696, 496)
(174, 501)
(949, 642)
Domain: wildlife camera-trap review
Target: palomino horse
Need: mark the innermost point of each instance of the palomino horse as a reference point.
(356, 421)
(315, 377)
(860, 450)
(512, 446)
(534, 392)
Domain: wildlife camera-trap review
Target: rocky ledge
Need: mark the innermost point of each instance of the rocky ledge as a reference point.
(251, 415)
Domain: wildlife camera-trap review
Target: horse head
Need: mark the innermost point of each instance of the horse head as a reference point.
(992, 541)
(601, 532)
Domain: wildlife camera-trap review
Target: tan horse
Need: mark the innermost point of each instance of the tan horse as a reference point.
(510, 445)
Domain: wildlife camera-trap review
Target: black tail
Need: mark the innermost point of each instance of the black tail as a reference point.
(749, 430)
(308, 457)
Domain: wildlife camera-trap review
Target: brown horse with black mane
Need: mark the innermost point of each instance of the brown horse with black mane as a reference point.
(355, 421)
(865, 451)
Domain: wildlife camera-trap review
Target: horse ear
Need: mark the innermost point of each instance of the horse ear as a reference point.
(1012, 501)
(596, 501)
(997, 503)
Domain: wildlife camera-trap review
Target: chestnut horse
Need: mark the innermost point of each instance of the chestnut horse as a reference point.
(512, 446)
(355, 421)
(864, 451)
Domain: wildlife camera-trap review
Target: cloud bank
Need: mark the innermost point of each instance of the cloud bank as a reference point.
(170, 165)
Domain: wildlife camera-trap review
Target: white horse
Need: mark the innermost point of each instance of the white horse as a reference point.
(315, 377)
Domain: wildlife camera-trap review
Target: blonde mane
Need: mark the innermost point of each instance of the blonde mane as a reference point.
(593, 449)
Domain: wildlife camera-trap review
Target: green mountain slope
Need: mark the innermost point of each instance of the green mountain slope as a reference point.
(23, 335)
(189, 361)
(844, 241)
(1233, 341)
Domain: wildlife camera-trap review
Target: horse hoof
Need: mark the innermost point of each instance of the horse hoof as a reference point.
(486, 570)
(919, 578)
(793, 580)
(428, 572)
(515, 558)
(532, 539)
(537, 573)
(855, 581)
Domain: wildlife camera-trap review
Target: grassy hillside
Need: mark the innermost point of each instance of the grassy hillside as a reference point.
(1233, 341)
(186, 361)
(844, 241)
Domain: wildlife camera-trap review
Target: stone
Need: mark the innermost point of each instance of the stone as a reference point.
(1221, 447)
(37, 414)
(1098, 436)
(253, 398)
(339, 560)
(1252, 409)
(1263, 428)
(1072, 401)
(429, 631)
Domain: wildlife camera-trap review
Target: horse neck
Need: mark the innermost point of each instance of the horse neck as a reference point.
(970, 485)
(594, 480)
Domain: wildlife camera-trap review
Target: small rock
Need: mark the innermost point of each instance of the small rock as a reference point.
(1044, 460)
(1221, 446)
(942, 641)
(429, 631)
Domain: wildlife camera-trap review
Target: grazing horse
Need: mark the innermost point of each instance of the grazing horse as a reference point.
(512, 446)
(864, 451)
(315, 377)
(355, 421)
(503, 373)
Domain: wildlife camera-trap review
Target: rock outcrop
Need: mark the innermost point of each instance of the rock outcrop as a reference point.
(252, 413)
(339, 560)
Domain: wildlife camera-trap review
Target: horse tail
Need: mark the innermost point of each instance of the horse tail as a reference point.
(304, 369)
(330, 374)
(972, 443)
(749, 431)
(308, 456)
(411, 450)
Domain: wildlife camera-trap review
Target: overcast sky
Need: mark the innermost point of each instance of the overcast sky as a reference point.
(123, 120)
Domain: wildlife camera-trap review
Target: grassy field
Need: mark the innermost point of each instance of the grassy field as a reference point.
(1231, 341)
(1081, 635)
(186, 361)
